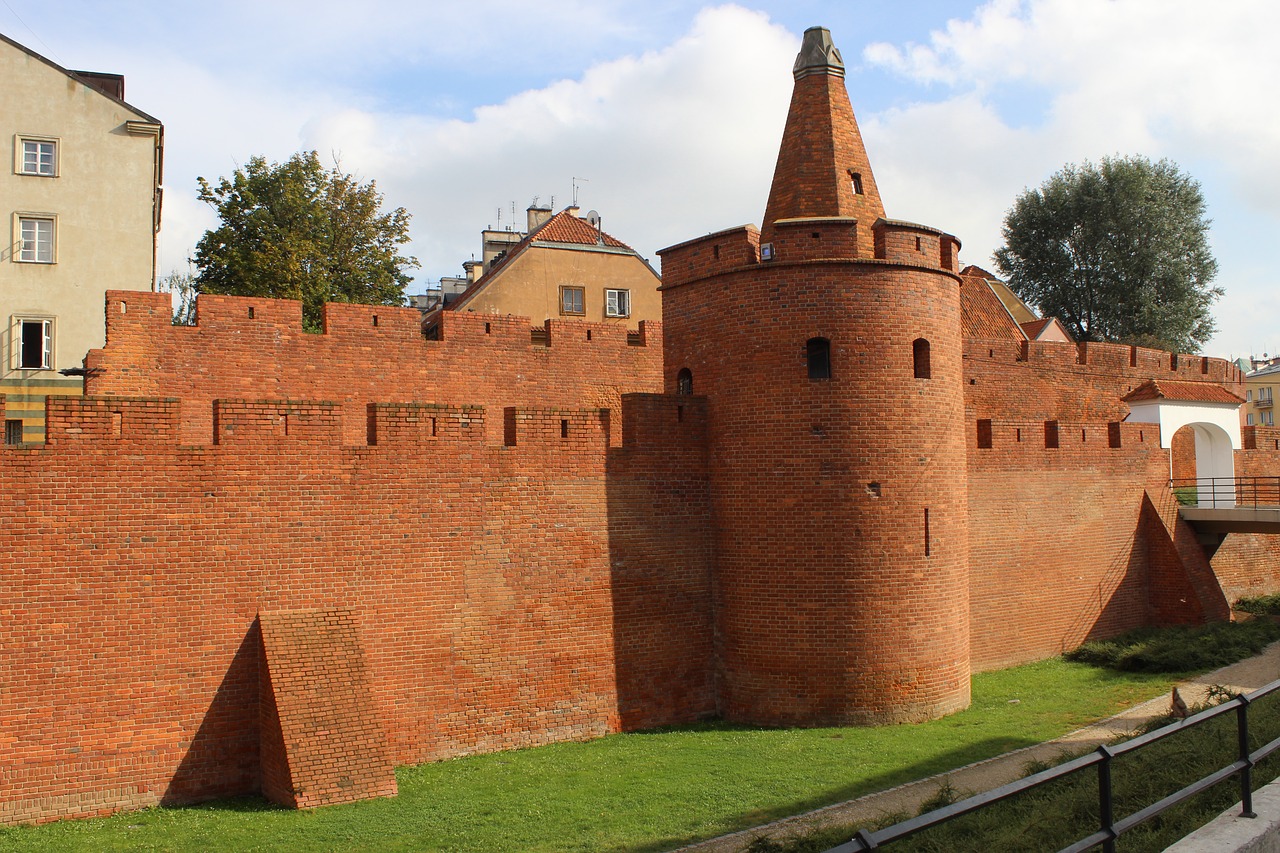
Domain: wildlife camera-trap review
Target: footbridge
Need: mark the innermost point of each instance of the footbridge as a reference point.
(1216, 506)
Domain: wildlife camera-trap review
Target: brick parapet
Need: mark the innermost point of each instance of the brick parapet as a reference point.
(1049, 379)
(255, 349)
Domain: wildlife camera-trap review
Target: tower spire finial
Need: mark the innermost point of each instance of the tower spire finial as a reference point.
(818, 55)
(822, 169)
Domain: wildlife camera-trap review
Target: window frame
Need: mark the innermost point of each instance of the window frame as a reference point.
(616, 296)
(17, 338)
(20, 155)
(570, 289)
(19, 243)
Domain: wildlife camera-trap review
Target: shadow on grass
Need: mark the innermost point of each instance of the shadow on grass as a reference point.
(244, 803)
(935, 765)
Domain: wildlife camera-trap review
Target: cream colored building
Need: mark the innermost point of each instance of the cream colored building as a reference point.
(1262, 386)
(563, 267)
(80, 195)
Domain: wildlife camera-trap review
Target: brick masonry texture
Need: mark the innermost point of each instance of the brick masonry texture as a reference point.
(256, 559)
(321, 741)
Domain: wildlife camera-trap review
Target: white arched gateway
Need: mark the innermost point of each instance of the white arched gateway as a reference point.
(1212, 412)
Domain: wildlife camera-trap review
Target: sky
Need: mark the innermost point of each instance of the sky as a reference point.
(665, 116)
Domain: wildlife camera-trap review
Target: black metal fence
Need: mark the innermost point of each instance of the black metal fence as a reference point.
(1223, 492)
(1110, 828)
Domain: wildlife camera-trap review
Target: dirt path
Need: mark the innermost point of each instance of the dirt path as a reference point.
(1242, 677)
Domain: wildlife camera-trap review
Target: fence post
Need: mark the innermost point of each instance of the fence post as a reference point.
(1105, 815)
(1246, 773)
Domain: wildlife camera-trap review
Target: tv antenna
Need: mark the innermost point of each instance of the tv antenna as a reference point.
(575, 182)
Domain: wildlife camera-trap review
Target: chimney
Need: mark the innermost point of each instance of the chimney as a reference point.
(536, 216)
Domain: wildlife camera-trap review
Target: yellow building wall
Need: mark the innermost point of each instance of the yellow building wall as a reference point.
(1261, 393)
(102, 199)
(529, 285)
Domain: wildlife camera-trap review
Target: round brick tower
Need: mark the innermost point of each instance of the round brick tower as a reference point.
(828, 347)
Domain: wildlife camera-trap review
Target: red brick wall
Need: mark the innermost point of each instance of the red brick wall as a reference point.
(496, 588)
(321, 740)
(255, 349)
(828, 607)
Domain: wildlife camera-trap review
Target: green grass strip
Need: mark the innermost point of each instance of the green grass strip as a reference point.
(637, 792)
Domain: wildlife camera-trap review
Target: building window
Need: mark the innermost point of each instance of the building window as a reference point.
(35, 240)
(1268, 418)
(617, 303)
(33, 348)
(684, 381)
(920, 358)
(13, 431)
(856, 179)
(1248, 419)
(1248, 396)
(37, 157)
(572, 300)
(818, 354)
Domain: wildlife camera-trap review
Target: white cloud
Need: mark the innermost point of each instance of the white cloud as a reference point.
(672, 140)
(1164, 78)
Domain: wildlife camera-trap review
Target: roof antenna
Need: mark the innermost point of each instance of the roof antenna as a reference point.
(575, 188)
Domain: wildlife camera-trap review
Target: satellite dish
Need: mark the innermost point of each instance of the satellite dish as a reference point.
(593, 218)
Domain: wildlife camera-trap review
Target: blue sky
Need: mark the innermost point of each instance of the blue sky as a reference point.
(670, 112)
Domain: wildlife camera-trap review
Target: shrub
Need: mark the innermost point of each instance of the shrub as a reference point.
(1263, 605)
(1179, 649)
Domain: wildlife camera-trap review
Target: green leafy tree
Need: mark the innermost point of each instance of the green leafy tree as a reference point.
(296, 230)
(1117, 251)
(181, 285)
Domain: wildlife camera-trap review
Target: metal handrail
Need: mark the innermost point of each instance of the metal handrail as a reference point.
(1227, 491)
(1109, 828)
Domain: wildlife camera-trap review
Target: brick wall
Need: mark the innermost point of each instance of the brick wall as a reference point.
(496, 588)
(246, 348)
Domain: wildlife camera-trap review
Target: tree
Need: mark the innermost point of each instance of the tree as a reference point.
(295, 230)
(1118, 252)
(183, 286)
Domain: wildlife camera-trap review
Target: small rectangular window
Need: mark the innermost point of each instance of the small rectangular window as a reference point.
(37, 157)
(617, 303)
(572, 300)
(33, 344)
(1249, 419)
(13, 431)
(35, 240)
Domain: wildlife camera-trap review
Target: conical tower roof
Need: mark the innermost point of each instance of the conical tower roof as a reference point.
(822, 169)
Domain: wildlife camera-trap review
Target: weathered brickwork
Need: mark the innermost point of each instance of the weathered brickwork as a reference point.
(498, 588)
(321, 741)
(257, 559)
(245, 348)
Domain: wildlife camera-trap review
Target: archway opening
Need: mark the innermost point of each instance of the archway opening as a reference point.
(1202, 466)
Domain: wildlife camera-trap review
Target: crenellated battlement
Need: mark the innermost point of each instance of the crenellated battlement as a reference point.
(1120, 360)
(651, 421)
(247, 348)
(267, 422)
(120, 419)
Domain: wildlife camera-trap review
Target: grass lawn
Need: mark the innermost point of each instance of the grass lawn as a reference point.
(640, 792)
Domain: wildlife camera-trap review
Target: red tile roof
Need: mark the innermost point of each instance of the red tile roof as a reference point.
(1034, 328)
(564, 227)
(1187, 392)
(982, 314)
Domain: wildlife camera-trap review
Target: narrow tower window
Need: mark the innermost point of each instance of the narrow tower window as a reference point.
(920, 358)
(857, 182)
(684, 381)
(818, 354)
